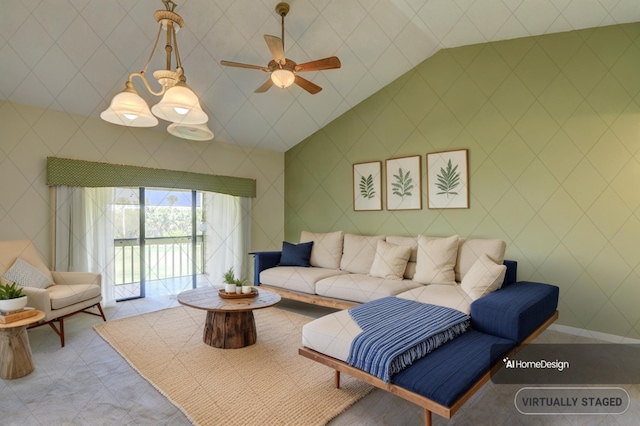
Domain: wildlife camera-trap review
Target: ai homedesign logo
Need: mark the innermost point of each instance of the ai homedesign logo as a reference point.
(542, 364)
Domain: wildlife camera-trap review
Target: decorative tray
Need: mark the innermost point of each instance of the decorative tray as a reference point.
(226, 295)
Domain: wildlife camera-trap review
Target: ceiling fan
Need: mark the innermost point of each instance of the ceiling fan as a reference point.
(284, 72)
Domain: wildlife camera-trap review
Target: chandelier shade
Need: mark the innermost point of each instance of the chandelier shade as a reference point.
(180, 105)
(129, 109)
(194, 132)
(282, 77)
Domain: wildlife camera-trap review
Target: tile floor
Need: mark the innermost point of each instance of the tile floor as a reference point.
(88, 383)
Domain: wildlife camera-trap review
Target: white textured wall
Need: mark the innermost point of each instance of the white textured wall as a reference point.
(29, 135)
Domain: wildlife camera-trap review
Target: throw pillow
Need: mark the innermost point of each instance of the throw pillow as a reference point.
(327, 248)
(469, 250)
(436, 260)
(26, 275)
(295, 254)
(484, 277)
(390, 261)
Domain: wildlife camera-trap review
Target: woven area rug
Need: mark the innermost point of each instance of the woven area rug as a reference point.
(264, 384)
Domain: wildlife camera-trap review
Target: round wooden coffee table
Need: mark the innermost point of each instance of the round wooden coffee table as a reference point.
(230, 323)
(15, 351)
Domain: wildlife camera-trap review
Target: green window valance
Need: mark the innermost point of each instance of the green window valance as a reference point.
(68, 172)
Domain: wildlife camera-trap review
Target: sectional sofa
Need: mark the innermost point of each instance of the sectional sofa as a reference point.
(467, 275)
(341, 270)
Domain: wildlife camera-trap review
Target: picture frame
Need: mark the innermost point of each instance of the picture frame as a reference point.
(403, 183)
(448, 179)
(367, 186)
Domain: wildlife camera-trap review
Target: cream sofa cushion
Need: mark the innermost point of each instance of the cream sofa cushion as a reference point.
(390, 261)
(331, 334)
(327, 248)
(361, 288)
(469, 250)
(436, 260)
(296, 278)
(412, 242)
(358, 253)
(451, 296)
(484, 277)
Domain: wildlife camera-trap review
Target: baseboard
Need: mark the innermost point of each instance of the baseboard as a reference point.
(611, 338)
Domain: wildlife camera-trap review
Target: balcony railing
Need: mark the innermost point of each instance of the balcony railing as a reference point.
(166, 257)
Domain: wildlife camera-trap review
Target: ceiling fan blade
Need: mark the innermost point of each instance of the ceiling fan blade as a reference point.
(265, 86)
(307, 85)
(276, 47)
(239, 65)
(321, 64)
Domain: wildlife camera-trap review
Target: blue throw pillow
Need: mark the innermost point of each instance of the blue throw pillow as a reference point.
(295, 254)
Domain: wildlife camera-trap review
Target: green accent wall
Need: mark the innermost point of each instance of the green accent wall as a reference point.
(552, 125)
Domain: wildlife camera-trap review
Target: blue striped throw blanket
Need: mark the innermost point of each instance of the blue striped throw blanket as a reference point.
(396, 332)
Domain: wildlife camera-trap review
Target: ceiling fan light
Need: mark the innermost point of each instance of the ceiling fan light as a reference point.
(129, 109)
(195, 132)
(180, 105)
(282, 77)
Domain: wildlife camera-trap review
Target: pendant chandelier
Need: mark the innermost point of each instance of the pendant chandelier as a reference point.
(179, 105)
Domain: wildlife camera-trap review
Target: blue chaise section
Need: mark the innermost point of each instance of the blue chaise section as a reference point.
(515, 311)
(499, 321)
(448, 372)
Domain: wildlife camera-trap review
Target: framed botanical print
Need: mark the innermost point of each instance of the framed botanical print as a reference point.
(403, 178)
(448, 180)
(367, 186)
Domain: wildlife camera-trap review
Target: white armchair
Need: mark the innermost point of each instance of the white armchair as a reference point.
(72, 292)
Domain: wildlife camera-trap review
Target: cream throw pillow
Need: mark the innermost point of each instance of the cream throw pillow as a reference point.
(436, 260)
(469, 250)
(327, 248)
(390, 261)
(484, 277)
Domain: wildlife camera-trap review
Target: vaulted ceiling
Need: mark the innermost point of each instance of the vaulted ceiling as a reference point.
(75, 55)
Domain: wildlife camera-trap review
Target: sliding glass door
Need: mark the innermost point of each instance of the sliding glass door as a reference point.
(159, 244)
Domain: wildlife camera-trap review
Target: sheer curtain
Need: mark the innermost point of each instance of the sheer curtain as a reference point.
(227, 235)
(84, 234)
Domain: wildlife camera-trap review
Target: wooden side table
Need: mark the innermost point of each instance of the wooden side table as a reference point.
(15, 351)
(230, 323)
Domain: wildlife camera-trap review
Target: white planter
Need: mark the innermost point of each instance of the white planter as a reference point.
(230, 288)
(246, 289)
(238, 290)
(13, 304)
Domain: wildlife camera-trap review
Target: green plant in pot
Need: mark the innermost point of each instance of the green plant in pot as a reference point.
(233, 284)
(239, 284)
(229, 280)
(12, 298)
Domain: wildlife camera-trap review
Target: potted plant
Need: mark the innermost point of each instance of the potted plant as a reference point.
(12, 298)
(229, 280)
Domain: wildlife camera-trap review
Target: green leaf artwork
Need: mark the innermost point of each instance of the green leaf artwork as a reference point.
(448, 180)
(403, 184)
(366, 187)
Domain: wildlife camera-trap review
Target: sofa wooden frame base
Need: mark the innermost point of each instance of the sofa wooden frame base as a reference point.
(313, 299)
(429, 405)
(60, 320)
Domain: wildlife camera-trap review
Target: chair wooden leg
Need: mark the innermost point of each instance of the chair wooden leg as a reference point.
(337, 379)
(101, 312)
(59, 331)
